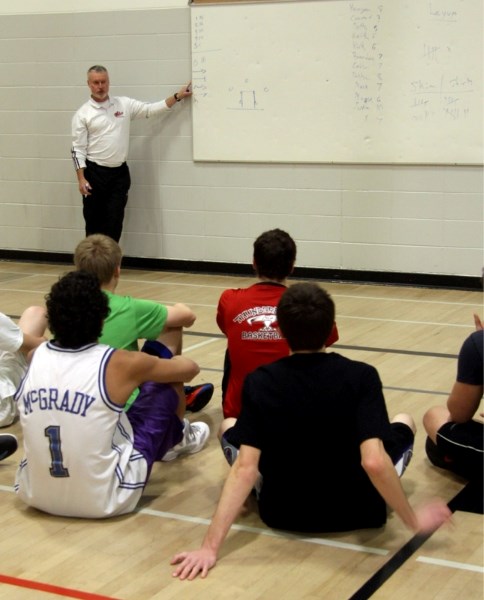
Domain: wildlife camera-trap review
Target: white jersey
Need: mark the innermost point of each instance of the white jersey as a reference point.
(12, 367)
(79, 459)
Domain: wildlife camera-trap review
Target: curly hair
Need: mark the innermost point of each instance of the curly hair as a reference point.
(76, 309)
(274, 254)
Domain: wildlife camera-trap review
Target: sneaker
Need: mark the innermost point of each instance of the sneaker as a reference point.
(194, 437)
(198, 396)
(8, 445)
(403, 462)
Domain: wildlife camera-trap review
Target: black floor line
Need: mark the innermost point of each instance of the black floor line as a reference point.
(405, 552)
(397, 560)
(335, 346)
(346, 347)
(389, 568)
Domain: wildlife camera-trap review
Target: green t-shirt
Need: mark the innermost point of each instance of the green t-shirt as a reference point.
(129, 320)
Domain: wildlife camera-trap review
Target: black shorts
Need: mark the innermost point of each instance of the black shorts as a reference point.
(459, 449)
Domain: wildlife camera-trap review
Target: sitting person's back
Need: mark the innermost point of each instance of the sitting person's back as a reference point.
(62, 400)
(314, 441)
(308, 413)
(455, 431)
(84, 456)
(133, 320)
(247, 316)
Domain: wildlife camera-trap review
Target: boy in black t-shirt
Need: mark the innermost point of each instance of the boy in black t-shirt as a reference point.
(314, 438)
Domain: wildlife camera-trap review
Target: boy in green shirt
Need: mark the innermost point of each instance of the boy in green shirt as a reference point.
(133, 319)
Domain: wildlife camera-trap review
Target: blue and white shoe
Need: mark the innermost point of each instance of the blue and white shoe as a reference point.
(404, 461)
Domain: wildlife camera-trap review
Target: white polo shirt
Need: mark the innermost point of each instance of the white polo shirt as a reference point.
(100, 130)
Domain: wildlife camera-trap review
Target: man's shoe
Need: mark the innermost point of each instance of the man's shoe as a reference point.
(198, 396)
(8, 445)
(194, 437)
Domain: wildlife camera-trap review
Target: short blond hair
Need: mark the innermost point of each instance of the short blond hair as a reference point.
(100, 255)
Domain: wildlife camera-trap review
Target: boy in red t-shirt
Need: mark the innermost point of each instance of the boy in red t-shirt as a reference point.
(247, 316)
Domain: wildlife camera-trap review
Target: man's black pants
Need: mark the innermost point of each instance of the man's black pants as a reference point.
(103, 210)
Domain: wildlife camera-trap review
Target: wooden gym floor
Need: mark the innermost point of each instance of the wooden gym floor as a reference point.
(412, 335)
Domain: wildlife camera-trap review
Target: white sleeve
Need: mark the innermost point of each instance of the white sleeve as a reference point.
(145, 110)
(11, 336)
(79, 142)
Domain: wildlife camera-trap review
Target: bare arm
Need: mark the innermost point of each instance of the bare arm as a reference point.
(127, 370)
(33, 324)
(84, 185)
(463, 401)
(240, 481)
(383, 476)
(184, 92)
(30, 342)
(179, 315)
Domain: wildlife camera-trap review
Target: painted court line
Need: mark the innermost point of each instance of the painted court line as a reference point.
(127, 277)
(405, 321)
(257, 530)
(397, 560)
(336, 346)
(395, 351)
(367, 590)
(270, 533)
(199, 345)
(450, 563)
(51, 589)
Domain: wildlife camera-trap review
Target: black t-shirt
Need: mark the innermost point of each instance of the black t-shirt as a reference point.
(470, 365)
(308, 414)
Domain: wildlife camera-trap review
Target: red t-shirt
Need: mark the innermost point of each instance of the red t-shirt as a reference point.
(247, 316)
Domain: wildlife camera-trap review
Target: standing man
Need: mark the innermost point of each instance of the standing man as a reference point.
(100, 131)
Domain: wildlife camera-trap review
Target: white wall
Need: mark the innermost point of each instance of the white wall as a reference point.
(356, 217)
(73, 6)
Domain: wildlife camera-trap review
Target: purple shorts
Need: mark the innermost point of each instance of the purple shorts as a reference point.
(156, 426)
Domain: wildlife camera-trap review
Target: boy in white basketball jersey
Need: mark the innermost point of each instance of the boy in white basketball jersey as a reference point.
(84, 456)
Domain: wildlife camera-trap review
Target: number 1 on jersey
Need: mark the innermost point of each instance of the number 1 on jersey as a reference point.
(57, 469)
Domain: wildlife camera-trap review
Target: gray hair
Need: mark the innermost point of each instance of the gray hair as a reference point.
(97, 69)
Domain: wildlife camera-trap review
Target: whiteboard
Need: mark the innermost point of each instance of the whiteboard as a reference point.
(332, 81)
